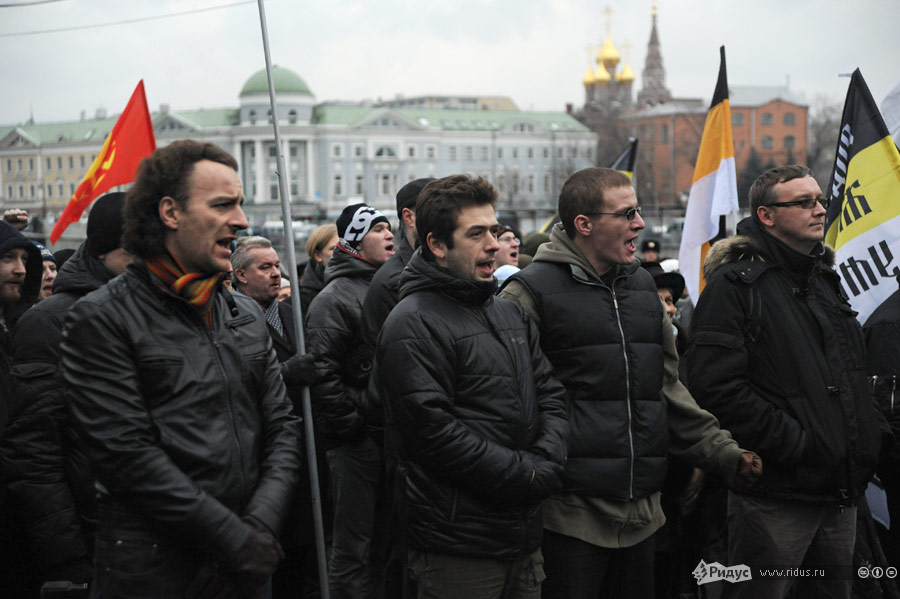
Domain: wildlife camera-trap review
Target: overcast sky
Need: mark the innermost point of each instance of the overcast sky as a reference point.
(533, 51)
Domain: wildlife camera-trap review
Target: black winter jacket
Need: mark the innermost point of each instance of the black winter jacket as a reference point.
(48, 475)
(384, 292)
(778, 356)
(311, 284)
(475, 407)
(343, 361)
(606, 345)
(188, 427)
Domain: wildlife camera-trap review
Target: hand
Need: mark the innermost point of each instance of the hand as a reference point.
(545, 480)
(16, 217)
(257, 558)
(749, 469)
(299, 369)
(688, 498)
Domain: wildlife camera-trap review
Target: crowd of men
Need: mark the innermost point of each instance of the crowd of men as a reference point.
(475, 441)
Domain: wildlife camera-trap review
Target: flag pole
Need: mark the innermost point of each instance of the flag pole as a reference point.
(311, 461)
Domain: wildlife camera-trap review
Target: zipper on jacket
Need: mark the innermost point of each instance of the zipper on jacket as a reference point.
(627, 396)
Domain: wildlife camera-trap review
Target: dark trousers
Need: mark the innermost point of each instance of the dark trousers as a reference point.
(578, 570)
(355, 479)
(441, 576)
(771, 534)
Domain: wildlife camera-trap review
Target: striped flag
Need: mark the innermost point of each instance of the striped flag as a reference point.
(130, 140)
(863, 220)
(713, 191)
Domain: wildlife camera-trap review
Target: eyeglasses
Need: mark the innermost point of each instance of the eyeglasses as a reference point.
(509, 240)
(628, 214)
(806, 203)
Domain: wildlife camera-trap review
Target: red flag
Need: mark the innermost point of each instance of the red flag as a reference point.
(130, 140)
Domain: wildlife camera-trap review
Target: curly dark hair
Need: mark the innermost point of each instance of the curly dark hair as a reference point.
(762, 192)
(441, 201)
(166, 172)
(583, 193)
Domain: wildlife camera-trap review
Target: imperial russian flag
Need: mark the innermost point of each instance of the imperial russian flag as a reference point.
(714, 188)
(130, 140)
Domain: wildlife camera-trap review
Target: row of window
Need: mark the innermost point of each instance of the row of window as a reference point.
(469, 152)
(766, 142)
(515, 183)
(60, 188)
(789, 118)
(20, 163)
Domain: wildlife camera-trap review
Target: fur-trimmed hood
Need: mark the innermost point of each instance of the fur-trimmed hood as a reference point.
(753, 243)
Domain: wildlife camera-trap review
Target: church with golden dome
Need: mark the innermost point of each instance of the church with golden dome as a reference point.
(609, 84)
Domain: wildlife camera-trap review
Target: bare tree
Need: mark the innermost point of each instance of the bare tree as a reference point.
(822, 135)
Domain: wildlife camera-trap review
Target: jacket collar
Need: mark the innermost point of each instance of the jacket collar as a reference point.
(422, 275)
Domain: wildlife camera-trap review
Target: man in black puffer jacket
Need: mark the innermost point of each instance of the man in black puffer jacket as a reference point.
(49, 479)
(176, 394)
(478, 416)
(342, 416)
(778, 356)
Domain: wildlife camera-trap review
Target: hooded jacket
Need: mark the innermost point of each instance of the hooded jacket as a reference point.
(778, 356)
(343, 361)
(48, 475)
(475, 407)
(311, 284)
(187, 425)
(614, 350)
(384, 292)
(10, 239)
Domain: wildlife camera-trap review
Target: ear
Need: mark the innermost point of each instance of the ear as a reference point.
(765, 215)
(583, 225)
(240, 276)
(438, 248)
(408, 217)
(169, 212)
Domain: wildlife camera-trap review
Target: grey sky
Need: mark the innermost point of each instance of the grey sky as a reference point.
(533, 51)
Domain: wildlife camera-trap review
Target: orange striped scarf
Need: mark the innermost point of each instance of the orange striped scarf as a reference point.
(196, 288)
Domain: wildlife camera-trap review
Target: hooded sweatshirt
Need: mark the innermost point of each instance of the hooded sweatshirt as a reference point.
(693, 433)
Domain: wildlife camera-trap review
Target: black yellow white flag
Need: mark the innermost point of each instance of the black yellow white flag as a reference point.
(863, 220)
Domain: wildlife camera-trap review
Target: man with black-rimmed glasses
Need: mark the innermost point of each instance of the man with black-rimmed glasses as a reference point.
(778, 357)
(604, 329)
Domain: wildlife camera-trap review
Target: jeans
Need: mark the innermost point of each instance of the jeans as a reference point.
(771, 534)
(579, 570)
(355, 478)
(441, 576)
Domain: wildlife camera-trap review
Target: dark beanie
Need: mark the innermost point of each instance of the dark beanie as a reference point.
(409, 193)
(355, 222)
(46, 255)
(104, 227)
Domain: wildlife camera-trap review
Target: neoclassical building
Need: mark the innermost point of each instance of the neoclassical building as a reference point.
(335, 152)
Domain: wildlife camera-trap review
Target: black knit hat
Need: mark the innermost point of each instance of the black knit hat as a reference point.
(105, 224)
(46, 255)
(672, 281)
(409, 193)
(356, 221)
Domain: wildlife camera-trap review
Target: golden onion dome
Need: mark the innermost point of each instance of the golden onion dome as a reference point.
(608, 56)
(601, 77)
(589, 80)
(626, 75)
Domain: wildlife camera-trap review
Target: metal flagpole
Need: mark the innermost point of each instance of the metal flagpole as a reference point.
(298, 321)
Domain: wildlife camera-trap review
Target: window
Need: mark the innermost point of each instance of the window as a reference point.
(385, 184)
(9, 191)
(766, 118)
(515, 153)
(530, 153)
(559, 152)
(31, 190)
(59, 163)
(49, 165)
(767, 142)
(590, 153)
(272, 152)
(19, 164)
(546, 183)
(530, 183)
(293, 149)
(62, 189)
(336, 150)
(292, 117)
(737, 119)
(664, 134)
(452, 152)
(9, 167)
(573, 152)
(485, 153)
(385, 152)
(789, 142)
(49, 190)
(71, 163)
(31, 164)
(430, 152)
(21, 191)
(469, 151)
(251, 116)
(359, 185)
(499, 152)
(81, 161)
(501, 183)
(790, 118)
(71, 189)
(358, 151)
(546, 152)
(411, 151)
(338, 185)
